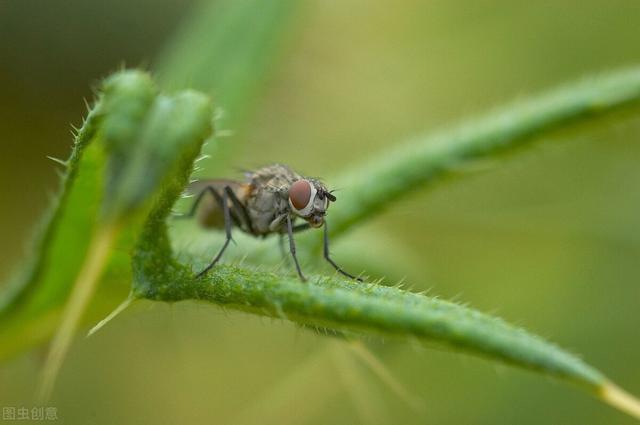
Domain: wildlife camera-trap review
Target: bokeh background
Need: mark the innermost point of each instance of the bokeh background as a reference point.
(548, 238)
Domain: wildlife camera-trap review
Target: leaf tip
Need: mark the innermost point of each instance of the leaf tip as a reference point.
(111, 316)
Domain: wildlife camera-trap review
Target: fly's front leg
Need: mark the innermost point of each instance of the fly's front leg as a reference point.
(297, 228)
(227, 229)
(292, 248)
(328, 257)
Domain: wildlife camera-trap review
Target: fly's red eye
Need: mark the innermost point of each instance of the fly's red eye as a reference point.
(300, 194)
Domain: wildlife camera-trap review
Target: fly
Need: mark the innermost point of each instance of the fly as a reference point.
(270, 201)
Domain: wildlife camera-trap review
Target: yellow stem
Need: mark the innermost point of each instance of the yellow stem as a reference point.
(616, 397)
(82, 291)
(385, 375)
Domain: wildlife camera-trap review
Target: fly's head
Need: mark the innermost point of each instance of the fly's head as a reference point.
(310, 199)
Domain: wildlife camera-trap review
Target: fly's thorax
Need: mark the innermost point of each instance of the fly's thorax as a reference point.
(264, 206)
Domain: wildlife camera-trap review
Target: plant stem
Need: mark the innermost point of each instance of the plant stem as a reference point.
(343, 305)
(620, 399)
(83, 289)
(377, 183)
(381, 371)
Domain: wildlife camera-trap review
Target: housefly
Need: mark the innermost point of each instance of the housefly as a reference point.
(269, 201)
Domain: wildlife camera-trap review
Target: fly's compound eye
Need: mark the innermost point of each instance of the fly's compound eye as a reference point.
(301, 196)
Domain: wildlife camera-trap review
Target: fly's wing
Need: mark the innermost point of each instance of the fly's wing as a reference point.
(209, 213)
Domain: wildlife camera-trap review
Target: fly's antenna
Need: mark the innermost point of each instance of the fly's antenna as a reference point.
(328, 194)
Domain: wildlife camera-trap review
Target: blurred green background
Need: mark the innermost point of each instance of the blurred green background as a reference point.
(548, 238)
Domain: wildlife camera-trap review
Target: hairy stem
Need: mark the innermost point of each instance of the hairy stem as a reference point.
(343, 305)
(376, 184)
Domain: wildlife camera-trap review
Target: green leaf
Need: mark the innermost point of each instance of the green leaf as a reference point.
(148, 139)
(151, 142)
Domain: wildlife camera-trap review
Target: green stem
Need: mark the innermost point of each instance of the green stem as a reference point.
(26, 283)
(372, 308)
(376, 184)
(356, 309)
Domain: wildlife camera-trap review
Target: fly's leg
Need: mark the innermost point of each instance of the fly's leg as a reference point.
(227, 229)
(292, 248)
(238, 207)
(209, 189)
(297, 228)
(328, 258)
(194, 207)
(305, 226)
